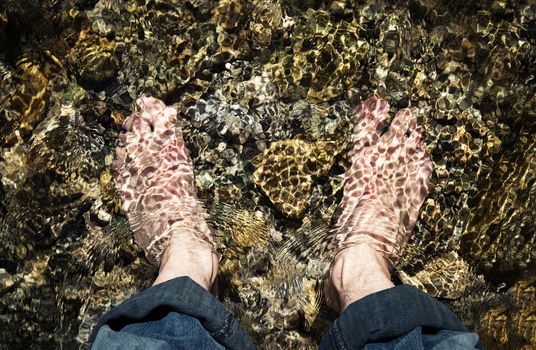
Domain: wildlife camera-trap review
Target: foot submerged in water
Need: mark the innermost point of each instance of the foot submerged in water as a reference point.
(386, 184)
(155, 178)
(384, 189)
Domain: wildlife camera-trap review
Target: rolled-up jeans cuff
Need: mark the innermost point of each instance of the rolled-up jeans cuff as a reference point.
(388, 314)
(184, 296)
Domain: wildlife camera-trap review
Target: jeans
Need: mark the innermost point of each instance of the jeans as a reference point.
(180, 314)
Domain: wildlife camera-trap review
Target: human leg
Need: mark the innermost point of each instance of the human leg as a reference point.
(154, 174)
(384, 190)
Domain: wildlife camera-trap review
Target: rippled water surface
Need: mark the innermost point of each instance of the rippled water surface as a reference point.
(250, 77)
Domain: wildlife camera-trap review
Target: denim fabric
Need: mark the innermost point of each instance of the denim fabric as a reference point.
(173, 331)
(401, 312)
(442, 340)
(148, 320)
(180, 314)
(178, 330)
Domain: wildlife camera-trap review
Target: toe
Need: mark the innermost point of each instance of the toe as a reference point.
(150, 108)
(166, 123)
(141, 127)
(369, 119)
(117, 166)
(127, 123)
(414, 147)
(401, 124)
(376, 106)
(425, 171)
(370, 116)
(122, 139)
(412, 124)
(416, 135)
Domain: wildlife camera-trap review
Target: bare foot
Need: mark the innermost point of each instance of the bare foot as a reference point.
(154, 175)
(383, 192)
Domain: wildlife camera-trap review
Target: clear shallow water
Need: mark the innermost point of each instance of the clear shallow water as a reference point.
(243, 76)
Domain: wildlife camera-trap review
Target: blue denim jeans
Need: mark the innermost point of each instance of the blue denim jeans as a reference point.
(180, 314)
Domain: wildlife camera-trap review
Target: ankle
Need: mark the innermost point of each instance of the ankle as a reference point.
(190, 259)
(359, 271)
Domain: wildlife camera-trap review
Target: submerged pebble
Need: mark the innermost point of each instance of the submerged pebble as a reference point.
(265, 91)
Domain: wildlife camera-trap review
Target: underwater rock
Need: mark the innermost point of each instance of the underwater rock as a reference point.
(244, 84)
(31, 98)
(240, 229)
(230, 14)
(62, 157)
(6, 281)
(67, 143)
(325, 58)
(445, 277)
(248, 75)
(267, 21)
(234, 123)
(512, 322)
(93, 59)
(503, 239)
(8, 117)
(286, 170)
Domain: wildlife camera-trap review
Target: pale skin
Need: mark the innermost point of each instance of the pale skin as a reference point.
(154, 175)
(384, 190)
(183, 257)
